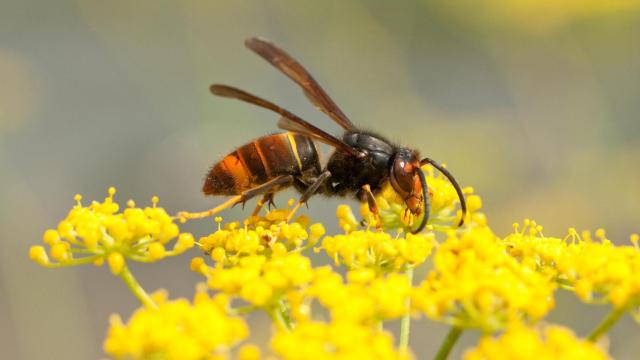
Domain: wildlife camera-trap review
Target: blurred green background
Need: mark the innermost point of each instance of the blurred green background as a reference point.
(533, 103)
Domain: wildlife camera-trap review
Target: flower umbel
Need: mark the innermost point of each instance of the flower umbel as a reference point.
(334, 340)
(260, 236)
(520, 342)
(99, 232)
(476, 283)
(364, 298)
(377, 250)
(258, 280)
(178, 329)
(596, 270)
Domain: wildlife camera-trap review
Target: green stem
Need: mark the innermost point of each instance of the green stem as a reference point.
(565, 284)
(448, 343)
(607, 323)
(277, 317)
(282, 308)
(82, 251)
(136, 289)
(243, 310)
(405, 323)
(74, 262)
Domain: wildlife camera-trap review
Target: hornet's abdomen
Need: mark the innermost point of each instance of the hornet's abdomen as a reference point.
(263, 159)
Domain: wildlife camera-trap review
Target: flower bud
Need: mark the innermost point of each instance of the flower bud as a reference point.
(116, 263)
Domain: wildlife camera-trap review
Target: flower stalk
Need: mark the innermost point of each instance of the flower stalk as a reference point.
(279, 319)
(607, 323)
(136, 288)
(405, 323)
(284, 314)
(445, 348)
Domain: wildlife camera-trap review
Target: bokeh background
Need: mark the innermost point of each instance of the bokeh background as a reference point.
(533, 103)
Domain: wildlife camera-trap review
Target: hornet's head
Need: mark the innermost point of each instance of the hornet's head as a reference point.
(405, 179)
(408, 180)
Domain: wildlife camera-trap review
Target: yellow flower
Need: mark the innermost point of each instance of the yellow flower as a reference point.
(176, 330)
(602, 270)
(39, 254)
(530, 247)
(259, 280)
(476, 283)
(116, 262)
(520, 342)
(260, 235)
(249, 352)
(477, 280)
(99, 232)
(334, 340)
(596, 271)
(378, 250)
(364, 299)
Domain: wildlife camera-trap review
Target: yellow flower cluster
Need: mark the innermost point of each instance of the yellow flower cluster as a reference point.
(176, 330)
(99, 232)
(334, 340)
(258, 279)
(595, 269)
(364, 299)
(265, 280)
(520, 342)
(260, 235)
(377, 250)
(392, 208)
(529, 246)
(476, 283)
(603, 270)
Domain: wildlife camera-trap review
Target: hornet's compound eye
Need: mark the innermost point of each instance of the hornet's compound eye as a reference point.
(405, 180)
(402, 175)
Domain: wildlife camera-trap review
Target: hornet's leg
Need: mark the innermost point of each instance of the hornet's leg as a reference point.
(311, 190)
(269, 186)
(266, 199)
(373, 206)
